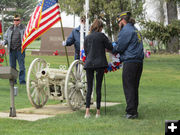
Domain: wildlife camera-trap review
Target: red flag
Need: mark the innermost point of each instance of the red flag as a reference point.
(45, 15)
(0, 28)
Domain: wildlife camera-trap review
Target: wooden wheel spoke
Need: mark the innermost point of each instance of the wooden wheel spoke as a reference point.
(34, 92)
(35, 96)
(33, 81)
(35, 68)
(38, 66)
(74, 70)
(42, 66)
(73, 76)
(33, 86)
(38, 97)
(72, 80)
(33, 73)
(42, 97)
(83, 75)
(71, 88)
(78, 71)
(72, 93)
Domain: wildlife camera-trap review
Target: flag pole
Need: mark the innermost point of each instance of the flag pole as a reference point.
(62, 30)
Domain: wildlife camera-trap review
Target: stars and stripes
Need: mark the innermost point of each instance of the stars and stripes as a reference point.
(45, 15)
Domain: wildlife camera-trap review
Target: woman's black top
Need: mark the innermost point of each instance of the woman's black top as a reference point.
(94, 46)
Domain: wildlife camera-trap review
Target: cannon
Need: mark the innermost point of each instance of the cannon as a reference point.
(44, 82)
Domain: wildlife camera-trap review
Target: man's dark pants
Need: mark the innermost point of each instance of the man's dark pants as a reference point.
(16, 55)
(131, 77)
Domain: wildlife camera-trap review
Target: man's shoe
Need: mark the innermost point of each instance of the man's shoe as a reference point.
(131, 116)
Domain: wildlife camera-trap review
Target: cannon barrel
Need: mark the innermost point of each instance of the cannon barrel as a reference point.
(52, 73)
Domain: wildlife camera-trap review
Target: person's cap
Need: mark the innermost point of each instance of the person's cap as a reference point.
(83, 17)
(122, 15)
(17, 16)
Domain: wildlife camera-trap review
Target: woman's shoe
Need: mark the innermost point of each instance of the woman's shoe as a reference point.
(87, 116)
(97, 115)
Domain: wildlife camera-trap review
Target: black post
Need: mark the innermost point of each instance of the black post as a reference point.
(105, 93)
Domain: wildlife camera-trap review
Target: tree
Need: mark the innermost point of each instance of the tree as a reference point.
(107, 10)
(173, 44)
(155, 31)
(166, 36)
(12, 7)
(3, 5)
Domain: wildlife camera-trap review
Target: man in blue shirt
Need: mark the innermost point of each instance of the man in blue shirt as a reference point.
(130, 47)
(74, 38)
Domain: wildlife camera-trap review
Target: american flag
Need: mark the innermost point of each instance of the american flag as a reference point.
(45, 15)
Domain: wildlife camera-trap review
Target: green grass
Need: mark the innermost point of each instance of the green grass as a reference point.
(159, 101)
(35, 45)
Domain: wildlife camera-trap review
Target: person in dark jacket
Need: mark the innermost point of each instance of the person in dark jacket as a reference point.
(130, 47)
(94, 45)
(13, 38)
(74, 38)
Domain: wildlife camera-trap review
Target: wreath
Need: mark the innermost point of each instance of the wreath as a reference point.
(115, 64)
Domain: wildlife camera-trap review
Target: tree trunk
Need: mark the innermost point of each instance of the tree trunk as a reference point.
(171, 11)
(173, 44)
(161, 11)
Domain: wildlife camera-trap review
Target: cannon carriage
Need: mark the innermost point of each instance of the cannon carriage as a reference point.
(44, 82)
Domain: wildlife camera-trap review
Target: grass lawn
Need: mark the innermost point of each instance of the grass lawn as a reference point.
(35, 45)
(159, 96)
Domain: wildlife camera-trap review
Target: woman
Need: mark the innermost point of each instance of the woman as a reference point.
(94, 46)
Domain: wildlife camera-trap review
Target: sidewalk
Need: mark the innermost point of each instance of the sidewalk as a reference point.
(33, 114)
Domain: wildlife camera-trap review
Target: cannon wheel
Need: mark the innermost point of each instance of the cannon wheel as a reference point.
(76, 85)
(37, 94)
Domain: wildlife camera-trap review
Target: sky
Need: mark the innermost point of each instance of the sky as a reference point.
(68, 20)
